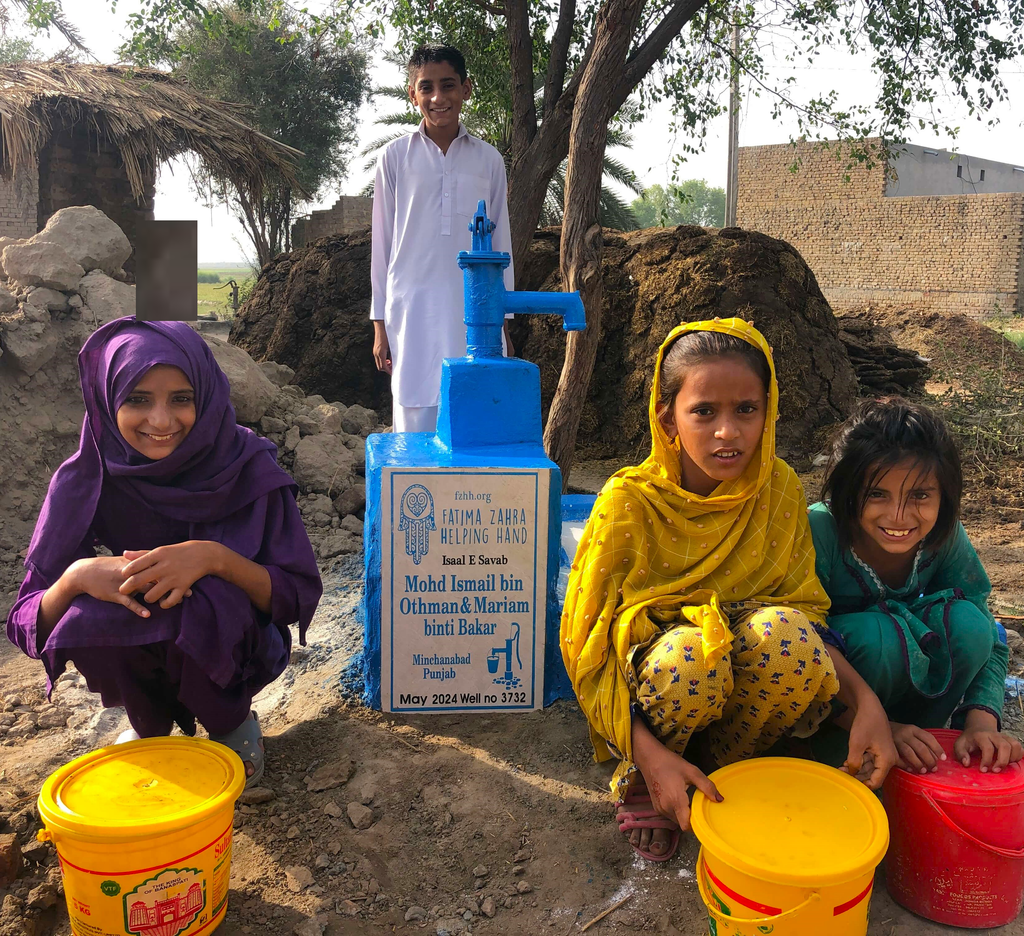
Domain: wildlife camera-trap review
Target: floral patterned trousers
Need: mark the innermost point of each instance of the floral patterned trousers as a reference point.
(777, 680)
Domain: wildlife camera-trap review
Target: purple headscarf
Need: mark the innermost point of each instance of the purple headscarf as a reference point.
(219, 468)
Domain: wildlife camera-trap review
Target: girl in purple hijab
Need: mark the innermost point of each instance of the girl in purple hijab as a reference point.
(211, 563)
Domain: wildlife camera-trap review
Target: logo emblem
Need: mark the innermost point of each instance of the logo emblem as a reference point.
(110, 888)
(166, 904)
(416, 518)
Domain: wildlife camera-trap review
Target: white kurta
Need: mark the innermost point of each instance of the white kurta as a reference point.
(423, 203)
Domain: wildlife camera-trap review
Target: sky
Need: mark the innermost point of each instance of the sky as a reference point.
(222, 239)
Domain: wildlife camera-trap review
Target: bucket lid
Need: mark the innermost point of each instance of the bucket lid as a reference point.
(792, 821)
(952, 777)
(142, 788)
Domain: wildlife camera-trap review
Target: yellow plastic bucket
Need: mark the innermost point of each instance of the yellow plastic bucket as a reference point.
(143, 833)
(791, 850)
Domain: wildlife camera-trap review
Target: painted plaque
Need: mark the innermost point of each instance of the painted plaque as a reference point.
(463, 598)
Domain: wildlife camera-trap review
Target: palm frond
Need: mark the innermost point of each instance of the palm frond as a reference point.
(622, 174)
(395, 92)
(554, 199)
(617, 136)
(401, 119)
(615, 212)
(64, 26)
(629, 113)
(380, 143)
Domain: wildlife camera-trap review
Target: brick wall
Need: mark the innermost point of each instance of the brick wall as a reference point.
(350, 213)
(18, 200)
(80, 167)
(949, 253)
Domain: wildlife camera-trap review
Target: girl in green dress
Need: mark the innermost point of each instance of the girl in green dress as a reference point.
(909, 594)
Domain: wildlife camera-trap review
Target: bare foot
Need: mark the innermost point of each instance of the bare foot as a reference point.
(656, 841)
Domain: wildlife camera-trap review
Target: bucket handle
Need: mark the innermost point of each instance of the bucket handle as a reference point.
(1014, 853)
(720, 917)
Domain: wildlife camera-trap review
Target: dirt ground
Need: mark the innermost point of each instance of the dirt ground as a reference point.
(489, 824)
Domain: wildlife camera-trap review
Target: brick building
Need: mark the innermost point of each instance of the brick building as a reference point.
(929, 230)
(95, 134)
(349, 214)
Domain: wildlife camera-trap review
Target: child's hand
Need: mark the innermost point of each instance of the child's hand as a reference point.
(668, 776)
(381, 351)
(919, 750)
(996, 749)
(101, 578)
(871, 745)
(668, 782)
(168, 572)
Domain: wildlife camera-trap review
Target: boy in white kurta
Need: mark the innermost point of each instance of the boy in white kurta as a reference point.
(425, 194)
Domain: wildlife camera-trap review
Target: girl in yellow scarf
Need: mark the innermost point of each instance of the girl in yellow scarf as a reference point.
(693, 604)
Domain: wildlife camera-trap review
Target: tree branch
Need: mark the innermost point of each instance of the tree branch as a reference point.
(520, 44)
(558, 61)
(643, 59)
(491, 8)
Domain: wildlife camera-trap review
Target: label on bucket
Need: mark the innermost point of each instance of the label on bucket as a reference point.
(167, 902)
(181, 898)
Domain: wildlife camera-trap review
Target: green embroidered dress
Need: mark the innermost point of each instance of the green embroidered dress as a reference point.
(930, 649)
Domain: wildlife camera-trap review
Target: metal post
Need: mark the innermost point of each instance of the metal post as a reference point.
(732, 180)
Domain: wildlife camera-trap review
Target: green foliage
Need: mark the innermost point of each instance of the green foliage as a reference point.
(296, 89)
(17, 49)
(986, 417)
(40, 16)
(689, 202)
(204, 276)
(920, 53)
(246, 287)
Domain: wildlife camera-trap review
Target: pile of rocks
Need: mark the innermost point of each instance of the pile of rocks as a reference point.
(322, 445)
(66, 280)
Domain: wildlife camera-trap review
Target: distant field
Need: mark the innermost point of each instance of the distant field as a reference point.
(210, 298)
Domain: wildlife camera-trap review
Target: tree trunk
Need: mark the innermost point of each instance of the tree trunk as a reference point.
(581, 233)
(534, 164)
(527, 189)
(254, 228)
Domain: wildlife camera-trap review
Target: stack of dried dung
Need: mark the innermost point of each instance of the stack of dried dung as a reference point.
(881, 366)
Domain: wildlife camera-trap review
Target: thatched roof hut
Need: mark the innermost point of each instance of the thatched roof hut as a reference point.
(75, 134)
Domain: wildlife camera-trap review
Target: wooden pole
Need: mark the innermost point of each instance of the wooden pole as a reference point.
(732, 180)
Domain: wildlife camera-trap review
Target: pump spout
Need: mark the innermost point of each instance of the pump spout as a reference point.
(487, 302)
(496, 399)
(568, 305)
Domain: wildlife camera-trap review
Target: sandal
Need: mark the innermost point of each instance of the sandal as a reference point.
(247, 742)
(649, 818)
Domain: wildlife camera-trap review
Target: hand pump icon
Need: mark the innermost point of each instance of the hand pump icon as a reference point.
(509, 680)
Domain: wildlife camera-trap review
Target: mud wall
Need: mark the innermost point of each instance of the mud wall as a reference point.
(80, 167)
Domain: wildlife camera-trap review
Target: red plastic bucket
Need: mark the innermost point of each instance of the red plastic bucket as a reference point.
(956, 850)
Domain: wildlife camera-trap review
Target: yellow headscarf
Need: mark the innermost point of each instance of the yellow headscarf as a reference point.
(654, 554)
